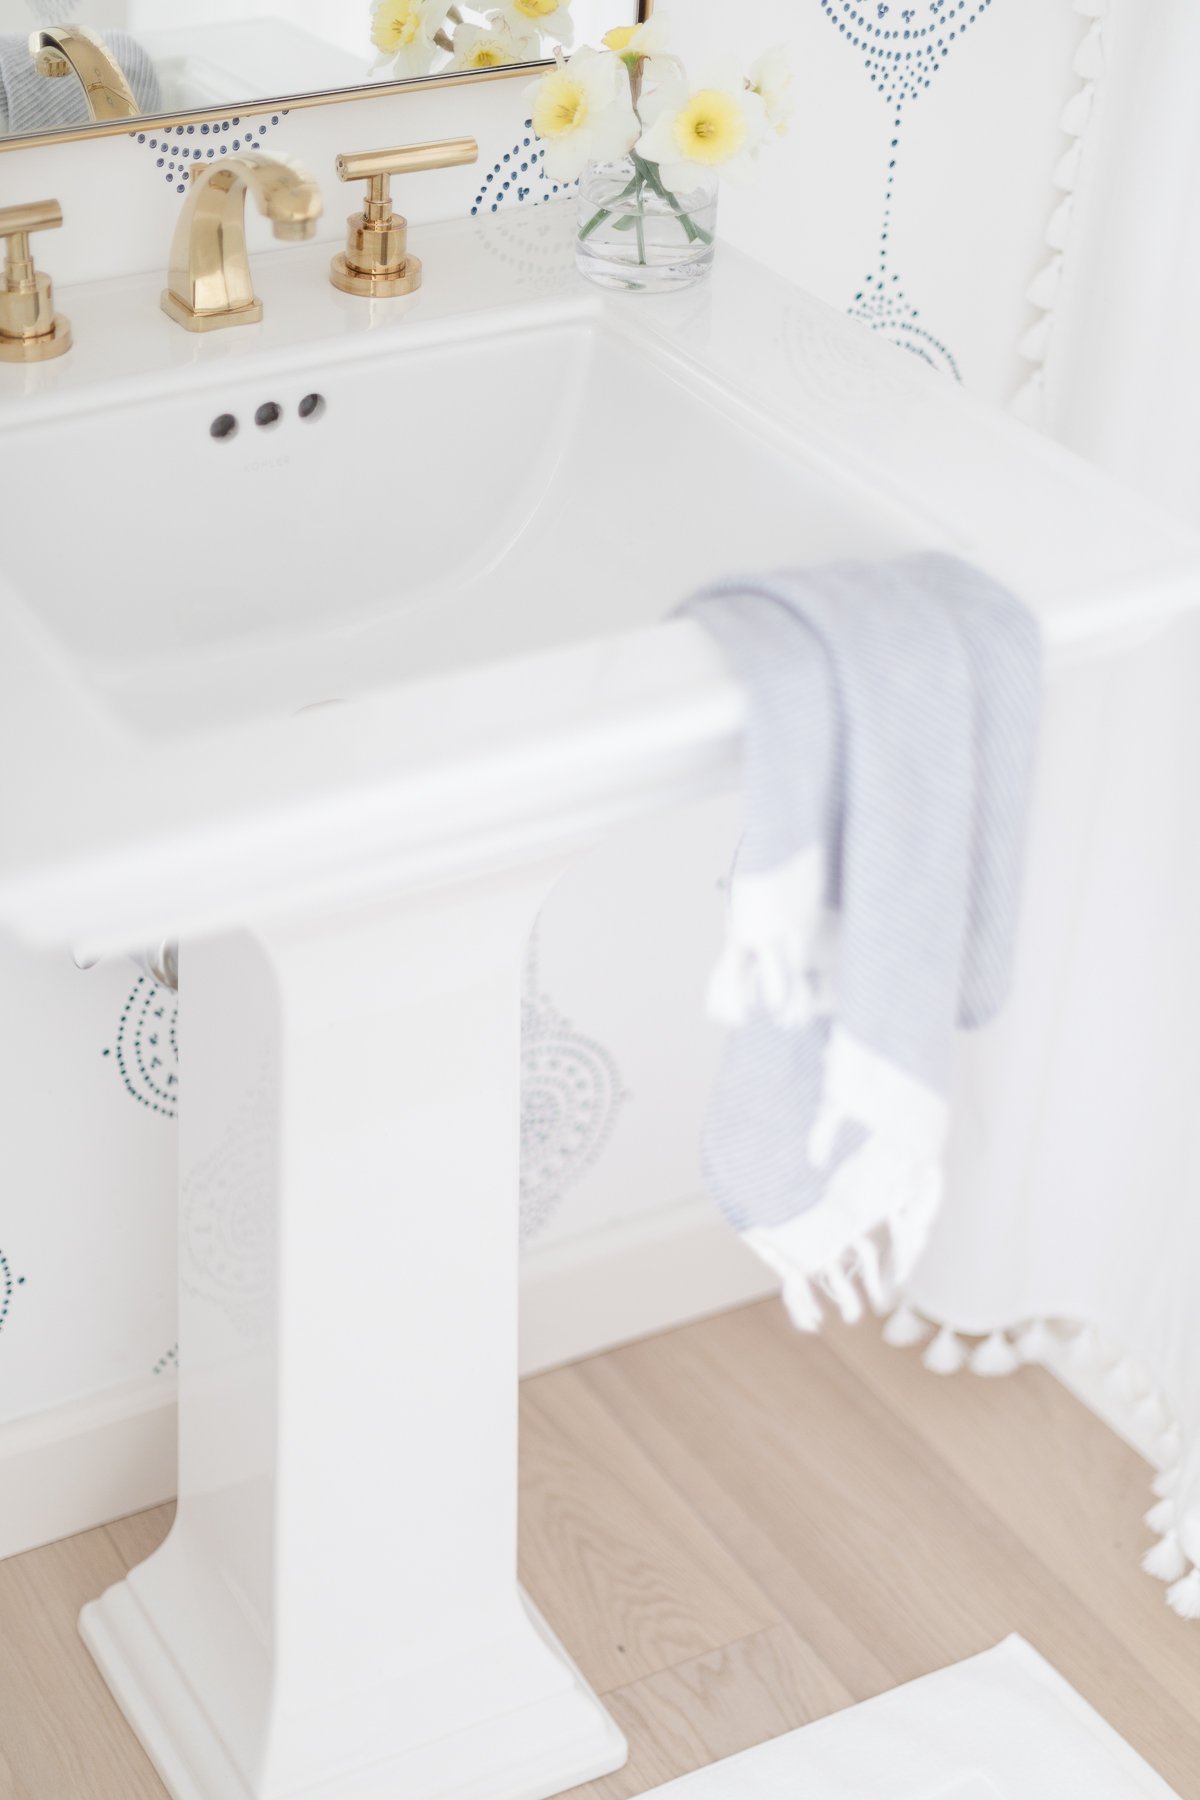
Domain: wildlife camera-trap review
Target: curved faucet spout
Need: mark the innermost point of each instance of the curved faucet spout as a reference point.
(60, 50)
(209, 283)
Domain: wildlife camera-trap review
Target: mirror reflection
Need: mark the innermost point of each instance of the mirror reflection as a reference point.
(66, 65)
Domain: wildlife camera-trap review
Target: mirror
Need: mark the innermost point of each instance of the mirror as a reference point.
(79, 68)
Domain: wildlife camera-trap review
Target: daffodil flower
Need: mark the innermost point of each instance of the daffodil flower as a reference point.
(493, 45)
(638, 47)
(639, 40)
(771, 79)
(583, 113)
(716, 127)
(404, 33)
(551, 17)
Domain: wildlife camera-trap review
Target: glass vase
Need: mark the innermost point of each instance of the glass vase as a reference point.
(634, 233)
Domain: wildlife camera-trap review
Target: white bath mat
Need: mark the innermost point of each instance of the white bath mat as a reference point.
(1004, 1726)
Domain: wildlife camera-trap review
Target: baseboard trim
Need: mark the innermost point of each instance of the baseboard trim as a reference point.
(81, 1465)
(97, 1459)
(77, 1466)
(648, 1274)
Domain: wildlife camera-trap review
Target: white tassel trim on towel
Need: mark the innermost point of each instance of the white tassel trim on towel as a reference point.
(1089, 58)
(855, 1242)
(1036, 341)
(905, 1329)
(1078, 111)
(1168, 1447)
(776, 945)
(1127, 1381)
(1150, 1416)
(1166, 1561)
(864, 1237)
(1042, 291)
(1037, 1343)
(946, 1355)
(1029, 402)
(1061, 219)
(1184, 1597)
(1161, 1518)
(994, 1357)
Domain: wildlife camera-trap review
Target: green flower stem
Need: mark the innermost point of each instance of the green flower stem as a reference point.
(595, 222)
(605, 212)
(645, 176)
(650, 174)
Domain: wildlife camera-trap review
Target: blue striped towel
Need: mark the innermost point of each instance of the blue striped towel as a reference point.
(892, 721)
(30, 102)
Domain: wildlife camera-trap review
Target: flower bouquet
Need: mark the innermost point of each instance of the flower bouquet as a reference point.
(423, 37)
(649, 150)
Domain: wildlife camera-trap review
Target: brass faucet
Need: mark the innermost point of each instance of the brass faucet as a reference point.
(30, 329)
(376, 262)
(60, 49)
(209, 283)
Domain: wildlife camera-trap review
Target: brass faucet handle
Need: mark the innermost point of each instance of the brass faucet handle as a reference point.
(30, 330)
(376, 262)
(35, 215)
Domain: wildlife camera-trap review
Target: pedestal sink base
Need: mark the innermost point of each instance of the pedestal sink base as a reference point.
(528, 1754)
(335, 1613)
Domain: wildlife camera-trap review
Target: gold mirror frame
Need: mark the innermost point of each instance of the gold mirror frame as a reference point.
(251, 109)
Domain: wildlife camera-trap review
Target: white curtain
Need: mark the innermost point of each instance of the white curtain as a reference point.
(1075, 1183)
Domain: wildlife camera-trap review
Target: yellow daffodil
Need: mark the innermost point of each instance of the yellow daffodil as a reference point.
(403, 32)
(492, 46)
(716, 127)
(551, 17)
(583, 112)
(771, 79)
(639, 40)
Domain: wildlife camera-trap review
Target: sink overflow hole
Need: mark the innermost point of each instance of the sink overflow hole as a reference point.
(224, 427)
(312, 406)
(267, 415)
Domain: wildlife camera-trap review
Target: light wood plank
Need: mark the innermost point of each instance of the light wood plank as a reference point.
(917, 1563)
(138, 1536)
(737, 1530)
(63, 1736)
(731, 1515)
(715, 1706)
(1070, 1491)
(616, 1559)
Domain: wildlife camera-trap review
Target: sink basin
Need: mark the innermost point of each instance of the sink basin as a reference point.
(443, 506)
(466, 517)
(505, 486)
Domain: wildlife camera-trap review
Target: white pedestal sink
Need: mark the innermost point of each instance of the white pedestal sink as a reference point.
(499, 489)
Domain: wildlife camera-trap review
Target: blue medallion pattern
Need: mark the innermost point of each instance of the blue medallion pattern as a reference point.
(512, 178)
(177, 148)
(146, 1049)
(902, 49)
(9, 1283)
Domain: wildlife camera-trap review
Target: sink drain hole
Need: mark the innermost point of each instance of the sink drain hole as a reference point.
(224, 427)
(312, 406)
(267, 415)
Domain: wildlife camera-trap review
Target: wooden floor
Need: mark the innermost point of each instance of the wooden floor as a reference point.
(736, 1530)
